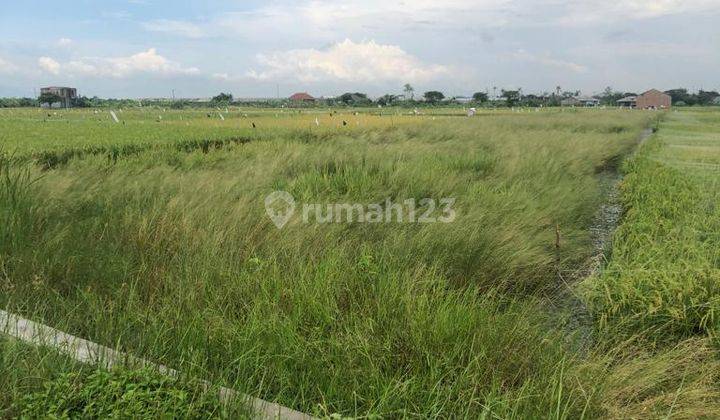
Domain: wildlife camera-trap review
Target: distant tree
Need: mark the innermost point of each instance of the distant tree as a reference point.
(387, 100)
(433, 96)
(18, 102)
(681, 95)
(610, 96)
(181, 104)
(355, 99)
(222, 98)
(570, 94)
(409, 91)
(81, 102)
(480, 97)
(512, 97)
(533, 100)
(705, 97)
(49, 98)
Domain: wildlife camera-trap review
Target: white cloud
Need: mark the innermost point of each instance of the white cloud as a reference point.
(547, 61)
(7, 67)
(149, 62)
(600, 11)
(320, 20)
(347, 61)
(175, 27)
(145, 62)
(49, 65)
(64, 42)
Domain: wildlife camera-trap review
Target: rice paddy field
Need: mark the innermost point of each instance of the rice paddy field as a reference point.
(151, 236)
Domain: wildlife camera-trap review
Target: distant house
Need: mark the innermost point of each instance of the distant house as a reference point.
(585, 101)
(66, 94)
(627, 102)
(653, 99)
(302, 97)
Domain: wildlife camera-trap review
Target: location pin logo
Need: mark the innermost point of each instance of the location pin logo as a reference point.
(280, 207)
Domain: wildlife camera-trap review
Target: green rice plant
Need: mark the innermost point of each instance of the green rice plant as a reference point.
(662, 278)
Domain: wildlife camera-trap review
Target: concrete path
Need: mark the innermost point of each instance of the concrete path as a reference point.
(87, 352)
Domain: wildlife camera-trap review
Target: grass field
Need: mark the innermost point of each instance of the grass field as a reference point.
(152, 236)
(37, 130)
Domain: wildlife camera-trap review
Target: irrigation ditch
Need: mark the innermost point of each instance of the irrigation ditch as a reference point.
(569, 307)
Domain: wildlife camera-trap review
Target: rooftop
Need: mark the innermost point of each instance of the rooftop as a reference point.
(628, 99)
(301, 96)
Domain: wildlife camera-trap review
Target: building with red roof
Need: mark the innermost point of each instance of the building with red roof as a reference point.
(302, 97)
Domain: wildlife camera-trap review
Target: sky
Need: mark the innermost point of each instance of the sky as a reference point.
(193, 49)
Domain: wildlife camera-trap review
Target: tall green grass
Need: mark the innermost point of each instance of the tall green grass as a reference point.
(167, 253)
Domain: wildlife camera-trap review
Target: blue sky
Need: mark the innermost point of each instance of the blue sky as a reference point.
(147, 48)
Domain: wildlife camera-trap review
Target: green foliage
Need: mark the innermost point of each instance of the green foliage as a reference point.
(18, 102)
(49, 98)
(512, 97)
(223, 98)
(355, 99)
(702, 97)
(387, 100)
(120, 393)
(433, 97)
(480, 97)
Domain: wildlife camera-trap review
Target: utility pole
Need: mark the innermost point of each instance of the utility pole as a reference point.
(173, 94)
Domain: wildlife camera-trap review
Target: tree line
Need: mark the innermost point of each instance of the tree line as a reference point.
(509, 98)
